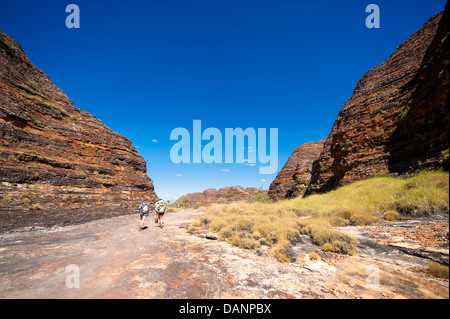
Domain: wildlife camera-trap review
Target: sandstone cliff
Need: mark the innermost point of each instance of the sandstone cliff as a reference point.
(294, 177)
(226, 194)
(58, 164)
(397, 120)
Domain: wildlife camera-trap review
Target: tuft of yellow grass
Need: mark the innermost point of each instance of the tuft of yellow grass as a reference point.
(437, 270)
(391, 215)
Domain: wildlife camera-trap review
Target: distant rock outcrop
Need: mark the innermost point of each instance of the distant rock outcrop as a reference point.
(397, 120)
(294, 177)
(58, 164)
(226, 194)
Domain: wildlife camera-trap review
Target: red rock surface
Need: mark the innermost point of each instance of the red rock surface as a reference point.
(294, 177)
(397, 120)
(58, 164)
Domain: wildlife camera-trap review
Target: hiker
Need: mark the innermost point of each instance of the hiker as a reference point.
(160, 210)
(144, 209)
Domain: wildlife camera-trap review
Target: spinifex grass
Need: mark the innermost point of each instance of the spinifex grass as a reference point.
(250, 225)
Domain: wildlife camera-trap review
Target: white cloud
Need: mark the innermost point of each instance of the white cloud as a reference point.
(226, 170)
(263, 180)
(179, 175)
(155, 140)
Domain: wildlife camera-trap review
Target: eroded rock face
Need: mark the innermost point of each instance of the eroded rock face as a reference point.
(226, 194)
(397, 120)
(294, 177)
(422, 135)
(56, 158)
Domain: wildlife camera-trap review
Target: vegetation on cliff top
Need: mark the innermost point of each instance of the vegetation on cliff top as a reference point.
(282, 224)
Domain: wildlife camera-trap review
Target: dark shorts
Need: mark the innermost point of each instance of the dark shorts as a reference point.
(143, 214)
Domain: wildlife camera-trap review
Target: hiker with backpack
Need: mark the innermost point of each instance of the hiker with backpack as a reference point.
(144, 209)
(160, 210)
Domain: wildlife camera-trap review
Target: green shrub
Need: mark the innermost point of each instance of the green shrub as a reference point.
(183, 202)
(197, 205)
(444, 156)
(262, 197)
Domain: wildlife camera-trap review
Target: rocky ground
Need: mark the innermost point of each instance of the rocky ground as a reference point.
(116, 260)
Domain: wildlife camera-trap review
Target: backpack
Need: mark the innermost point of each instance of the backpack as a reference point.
(145, 208)
(160, 207)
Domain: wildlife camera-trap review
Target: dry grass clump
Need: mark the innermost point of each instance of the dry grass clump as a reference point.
(283, 252)
(391, 215)
(281, 224)
(323, 234)
(438, 271)
(313, 256)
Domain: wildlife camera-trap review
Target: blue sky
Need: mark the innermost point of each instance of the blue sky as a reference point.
(147, 67)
